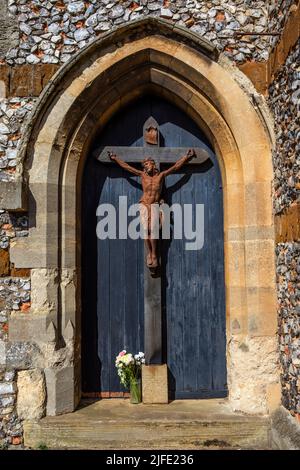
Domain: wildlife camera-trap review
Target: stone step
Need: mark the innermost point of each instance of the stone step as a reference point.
(116, 424)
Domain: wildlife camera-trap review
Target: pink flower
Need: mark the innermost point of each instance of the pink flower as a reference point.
(122, 353)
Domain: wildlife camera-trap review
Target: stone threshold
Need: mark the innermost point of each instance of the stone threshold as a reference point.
(117, 424)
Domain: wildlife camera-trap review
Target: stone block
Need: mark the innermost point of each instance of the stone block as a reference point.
(260, 262)
(31, 398)
(273, 397)
(252, 366)
(262, 315)
(155, 383)
(12, 195)
(60, 390)
(26, 326)
(257, 211)
(44, 284)
(235, 201)
(237, 309)
(235, 252)
(29, 252)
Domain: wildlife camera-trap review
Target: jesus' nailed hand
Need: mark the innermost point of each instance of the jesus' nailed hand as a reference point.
(152, 183)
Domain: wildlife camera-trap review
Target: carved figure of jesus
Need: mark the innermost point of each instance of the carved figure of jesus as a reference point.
(152, 182)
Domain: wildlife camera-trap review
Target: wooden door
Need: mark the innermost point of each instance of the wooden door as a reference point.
(193, 296)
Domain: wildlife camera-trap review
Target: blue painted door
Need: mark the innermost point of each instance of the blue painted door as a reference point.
(193, 294)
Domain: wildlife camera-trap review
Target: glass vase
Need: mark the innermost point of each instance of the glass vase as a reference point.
(135, 391)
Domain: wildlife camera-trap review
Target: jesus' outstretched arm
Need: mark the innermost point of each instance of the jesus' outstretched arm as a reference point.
(182, 161)
(124, 165)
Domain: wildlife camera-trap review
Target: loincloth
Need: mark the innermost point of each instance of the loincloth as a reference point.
(150, 218)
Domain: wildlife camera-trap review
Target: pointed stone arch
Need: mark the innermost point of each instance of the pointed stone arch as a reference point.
(149, 55)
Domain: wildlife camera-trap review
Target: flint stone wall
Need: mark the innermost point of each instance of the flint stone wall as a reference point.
(288, 284)
(284, 101)
(51, 31)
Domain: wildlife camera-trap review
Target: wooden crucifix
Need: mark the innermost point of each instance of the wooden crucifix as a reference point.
(151, 155)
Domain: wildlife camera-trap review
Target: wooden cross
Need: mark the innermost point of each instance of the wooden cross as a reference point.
(151, 149)
(152, 284)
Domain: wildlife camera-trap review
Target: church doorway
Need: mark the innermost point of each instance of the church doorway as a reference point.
(192, 281)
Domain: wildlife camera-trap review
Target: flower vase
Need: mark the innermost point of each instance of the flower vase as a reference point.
(135, 391)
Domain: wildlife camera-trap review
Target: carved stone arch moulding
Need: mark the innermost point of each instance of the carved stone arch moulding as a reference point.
(153, 56)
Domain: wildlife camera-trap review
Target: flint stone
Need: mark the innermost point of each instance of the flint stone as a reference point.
(3, 163)
(76, 7)
(7, 401)
(21, 355)
(48, 59)
(7, 388)
(92, 20)
(166, 13)
(103, 26)
(2, 353)
(9, 376)
(11, 154)
(56, 39)
(54, 28)
(116, 12)
(32, 59)
(4, 129)
(25, 28)
(81, 34)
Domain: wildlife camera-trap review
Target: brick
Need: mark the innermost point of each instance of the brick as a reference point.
(19, 272)
(4, 262)
(25, 307)
(20, 80)
(30, 80)
(4, 81)
(16, 440)
(47, 72)
(257, 72)
(287, 224)
(288, 39)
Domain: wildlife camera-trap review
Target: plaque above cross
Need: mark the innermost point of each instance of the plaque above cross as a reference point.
(177, 157)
